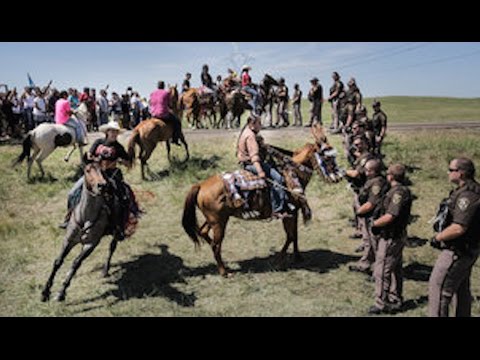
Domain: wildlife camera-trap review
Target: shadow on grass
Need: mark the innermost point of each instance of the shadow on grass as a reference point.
(149, 275)
(194, 164)
(417, 272)
(318, 260)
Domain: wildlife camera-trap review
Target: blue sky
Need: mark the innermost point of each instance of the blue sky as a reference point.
(380, 68)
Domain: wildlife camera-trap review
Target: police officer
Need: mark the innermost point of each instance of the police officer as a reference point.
(370, 198)
(379, 123)
(315, 96)
(459, 244)
(335, 91)
(392, 228)
(357, 178)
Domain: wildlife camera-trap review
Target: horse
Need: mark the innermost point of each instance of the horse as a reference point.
(147, 135)
(87, 225)
(173, 104)
(190, 102)
(267, 96)
(213, 201)
(44, 139)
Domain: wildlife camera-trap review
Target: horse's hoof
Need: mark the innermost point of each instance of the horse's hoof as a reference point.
(227, 274)
(45, 296)
(60, 297)
(105, 273)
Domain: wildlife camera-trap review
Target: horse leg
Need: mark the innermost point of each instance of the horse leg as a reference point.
(167, 143)
(67, 246)
(204, 230)
(290, 226)
(216, 244)
(86, 251)
(113, 247)
(182, 140)
(67, 157)
(30, 163)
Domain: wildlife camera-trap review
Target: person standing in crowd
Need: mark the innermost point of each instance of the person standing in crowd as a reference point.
(335, 91)
(159, 108)
(297, 104)
(102, 104)
(315, 96)
(282, 106)
(392, 230)
(39, 107)
(379, 123)
(459, 243)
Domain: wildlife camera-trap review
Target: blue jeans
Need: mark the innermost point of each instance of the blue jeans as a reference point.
(254, 93)
(277, 194)
(79, 134)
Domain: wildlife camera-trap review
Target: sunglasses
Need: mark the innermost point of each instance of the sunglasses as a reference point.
(452, 170)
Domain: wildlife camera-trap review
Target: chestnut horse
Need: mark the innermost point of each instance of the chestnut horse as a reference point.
(211, 198)
(147, 135)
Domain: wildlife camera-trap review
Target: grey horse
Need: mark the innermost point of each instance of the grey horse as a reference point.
(87, 225)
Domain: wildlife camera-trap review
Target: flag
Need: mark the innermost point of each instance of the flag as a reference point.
(30, 81)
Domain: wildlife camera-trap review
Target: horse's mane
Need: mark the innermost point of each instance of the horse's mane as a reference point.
(283, 151)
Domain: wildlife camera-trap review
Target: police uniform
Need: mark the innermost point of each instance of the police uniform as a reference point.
(389, 255)
(452, 270)
(373, 192)
(379, 121)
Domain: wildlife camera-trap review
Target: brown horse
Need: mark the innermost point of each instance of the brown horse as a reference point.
(147, 135)
(211, 198)
(190, 102)
(173, 104)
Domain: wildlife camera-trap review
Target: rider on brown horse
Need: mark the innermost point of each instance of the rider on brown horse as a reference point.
(159, 100)
(250, 158)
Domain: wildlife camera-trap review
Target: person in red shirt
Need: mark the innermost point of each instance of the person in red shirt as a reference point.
(248, 88)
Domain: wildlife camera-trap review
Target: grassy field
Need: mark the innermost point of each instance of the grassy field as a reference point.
(158, 272)
(405, 109)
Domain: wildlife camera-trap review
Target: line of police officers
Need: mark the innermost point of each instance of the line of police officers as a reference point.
(382, 209)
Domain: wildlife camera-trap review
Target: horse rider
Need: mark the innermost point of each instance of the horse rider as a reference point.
(63, 114)
(459, 242)
(247, 86)
(108, 151)
(208, 87)
(249, 157)
(159, 108)
(186, 82)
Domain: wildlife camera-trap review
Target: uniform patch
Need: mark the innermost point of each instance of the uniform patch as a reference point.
(463, 203)
(363, 162)
(397, 198)
(376, 189)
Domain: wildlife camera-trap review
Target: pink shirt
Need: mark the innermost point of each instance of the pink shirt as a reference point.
(246, 79)
(62, 111)
(159, 100)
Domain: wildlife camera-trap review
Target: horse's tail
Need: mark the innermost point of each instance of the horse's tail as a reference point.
(27, 147)
(189, 219)
(134, 139)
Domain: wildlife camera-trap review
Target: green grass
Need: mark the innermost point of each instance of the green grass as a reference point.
(159, 273)
(406, 109)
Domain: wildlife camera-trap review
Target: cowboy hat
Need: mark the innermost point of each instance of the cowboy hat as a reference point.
(246, 67)
(112, 125)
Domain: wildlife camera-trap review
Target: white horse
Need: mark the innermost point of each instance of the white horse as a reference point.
(44, 139)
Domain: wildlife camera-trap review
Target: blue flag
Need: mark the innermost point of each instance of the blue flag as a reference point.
(30, 81)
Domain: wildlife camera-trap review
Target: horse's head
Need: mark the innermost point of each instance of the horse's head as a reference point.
(268, 81)
(321, 156)
(94, 179)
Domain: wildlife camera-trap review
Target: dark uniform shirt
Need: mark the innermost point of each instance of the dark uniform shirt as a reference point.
(464, 207)
(373, 192)
(336, 87)
(398, 202)
(379, 120)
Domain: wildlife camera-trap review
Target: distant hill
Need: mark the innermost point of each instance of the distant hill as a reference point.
(410, 109)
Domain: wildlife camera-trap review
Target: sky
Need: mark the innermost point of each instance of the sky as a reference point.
(450, 69)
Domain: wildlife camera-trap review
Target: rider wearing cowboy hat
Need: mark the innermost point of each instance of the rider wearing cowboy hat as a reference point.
(108, 151)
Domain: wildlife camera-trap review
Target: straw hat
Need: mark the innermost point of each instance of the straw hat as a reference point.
(112, 125)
